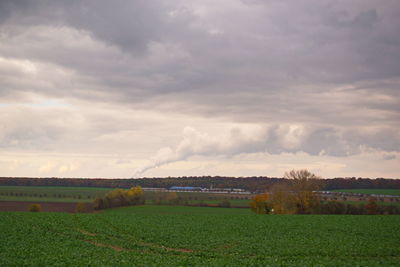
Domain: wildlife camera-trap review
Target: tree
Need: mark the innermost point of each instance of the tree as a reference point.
(303, 186)
(295, 195)
(282, 200)
(120, 197)
(135, 195)
(260, 204)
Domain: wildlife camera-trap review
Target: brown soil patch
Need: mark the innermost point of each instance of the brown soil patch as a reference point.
(46, 206)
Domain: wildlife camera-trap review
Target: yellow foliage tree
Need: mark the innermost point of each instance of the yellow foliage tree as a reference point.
(259, 204)
(135, 195)
(120, 197)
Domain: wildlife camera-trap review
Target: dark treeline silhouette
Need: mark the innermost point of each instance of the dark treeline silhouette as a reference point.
(360, 183)
(253, 184)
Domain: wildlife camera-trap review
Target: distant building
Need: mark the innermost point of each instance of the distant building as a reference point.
(185, 188)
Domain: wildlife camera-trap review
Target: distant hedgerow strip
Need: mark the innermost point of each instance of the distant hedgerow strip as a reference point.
(120, 197)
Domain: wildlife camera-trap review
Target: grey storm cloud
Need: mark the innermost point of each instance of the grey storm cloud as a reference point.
(129, 25)
(332, 66)
(270, 44)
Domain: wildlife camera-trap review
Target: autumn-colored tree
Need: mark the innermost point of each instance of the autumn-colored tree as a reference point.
(303, 186)
(296, 195)
(135, 195)
(260, 204)
(282, 200)
(120, 197)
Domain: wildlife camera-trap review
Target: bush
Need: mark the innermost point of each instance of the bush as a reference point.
(333, 207)
(371, 206)
(260, 204)
(35, 208)
(389, 209)
(80, 207)
(120, 197)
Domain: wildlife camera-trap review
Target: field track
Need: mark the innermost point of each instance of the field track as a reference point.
(46, 206)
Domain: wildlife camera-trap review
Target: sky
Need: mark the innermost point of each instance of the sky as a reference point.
(199, 87)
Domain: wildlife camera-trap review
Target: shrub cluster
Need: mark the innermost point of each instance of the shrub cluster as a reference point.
(119, 198)
(371, 208)
(35, 208)
(260, 204)
(264, 204)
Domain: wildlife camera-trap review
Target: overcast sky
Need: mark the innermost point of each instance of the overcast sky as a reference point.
(199, 87)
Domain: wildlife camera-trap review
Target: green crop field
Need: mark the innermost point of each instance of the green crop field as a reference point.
(190, 236)
(393, 192)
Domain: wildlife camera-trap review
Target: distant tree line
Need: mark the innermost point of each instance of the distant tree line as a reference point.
(253, 184)
(45, 195)
(119, 198)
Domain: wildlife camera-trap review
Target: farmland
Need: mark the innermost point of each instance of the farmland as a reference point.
(393, 192)
(88, 194)
(50, 193)
(170, 235)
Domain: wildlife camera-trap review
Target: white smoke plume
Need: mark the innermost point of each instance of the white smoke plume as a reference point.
(273, 139)
(236, 141)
